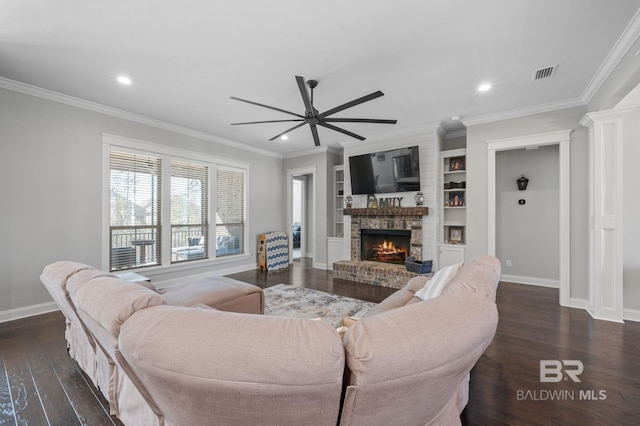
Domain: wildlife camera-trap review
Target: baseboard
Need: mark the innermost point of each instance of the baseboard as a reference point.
(542, 282)
(318, 265)
(579, 303)
(631, 314)
(28, 311)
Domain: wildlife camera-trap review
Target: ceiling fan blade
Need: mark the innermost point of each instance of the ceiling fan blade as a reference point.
(338, 129)
(353, 103)
(359, 120)
(268, 121)
(305, 95)
(266, 106)
(314, 132)
(287, 131)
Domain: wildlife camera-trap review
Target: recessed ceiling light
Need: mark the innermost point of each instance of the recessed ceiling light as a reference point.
(123, 79)
(484, 87)
(284, 137)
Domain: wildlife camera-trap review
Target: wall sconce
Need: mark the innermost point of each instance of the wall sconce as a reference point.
(522, 183)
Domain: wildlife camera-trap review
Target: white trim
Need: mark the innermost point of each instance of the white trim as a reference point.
(28, 311)
(301, 171)
(579, 303)
(166, 153)
(318, 265)
(606, 136)
(156, 148)
(311, 151)
(620, 49)
(540, 282)
(125, 115)
(522, 112)
(632, 314)
(563, 139)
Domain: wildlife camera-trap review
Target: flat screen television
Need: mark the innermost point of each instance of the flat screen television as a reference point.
(396, 170)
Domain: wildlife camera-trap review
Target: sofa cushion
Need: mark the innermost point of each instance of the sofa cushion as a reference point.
(204, 366)
(76, 281)
(110, 301)
(479, 276)
(422, 351)
(433, 287)
(217, 292)
(416, 283)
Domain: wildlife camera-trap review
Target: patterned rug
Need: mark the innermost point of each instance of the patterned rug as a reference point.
(289, 301)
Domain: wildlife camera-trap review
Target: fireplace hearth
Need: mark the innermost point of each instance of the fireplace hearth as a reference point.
(385, 245)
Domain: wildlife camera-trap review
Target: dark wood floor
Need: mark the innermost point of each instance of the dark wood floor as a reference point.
(40, 385)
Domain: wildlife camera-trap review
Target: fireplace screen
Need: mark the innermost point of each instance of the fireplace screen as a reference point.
(385, 245)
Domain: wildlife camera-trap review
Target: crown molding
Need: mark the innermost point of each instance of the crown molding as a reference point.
(302, 153)
(620, 49)
(456, 134)
(536, 109)
(118, 113)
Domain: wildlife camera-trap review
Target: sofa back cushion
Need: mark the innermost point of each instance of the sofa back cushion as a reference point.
(204, 366)
(108, 302)
(478, 276)
(408, 365)
(55, 277)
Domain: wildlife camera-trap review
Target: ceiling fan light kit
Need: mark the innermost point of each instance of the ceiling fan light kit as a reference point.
(313, 117)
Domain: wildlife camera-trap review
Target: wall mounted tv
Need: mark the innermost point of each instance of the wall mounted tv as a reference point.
(396, 170)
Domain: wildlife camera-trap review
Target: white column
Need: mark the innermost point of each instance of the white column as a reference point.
(606, 233)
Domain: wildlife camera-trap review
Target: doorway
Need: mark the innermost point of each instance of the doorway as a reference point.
(561, 138)
(301, 207)
(298, 225)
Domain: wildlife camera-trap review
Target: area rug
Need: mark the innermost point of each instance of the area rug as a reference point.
(289, 301)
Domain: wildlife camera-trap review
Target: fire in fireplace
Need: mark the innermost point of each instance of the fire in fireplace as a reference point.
(385, 245)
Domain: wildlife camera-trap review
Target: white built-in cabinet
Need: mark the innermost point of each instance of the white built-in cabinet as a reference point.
(335, 244)
(453, 207)
(338, 201)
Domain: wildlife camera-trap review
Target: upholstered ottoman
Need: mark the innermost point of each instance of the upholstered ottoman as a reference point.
(222, 293)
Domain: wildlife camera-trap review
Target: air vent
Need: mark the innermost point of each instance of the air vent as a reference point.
(545, 72)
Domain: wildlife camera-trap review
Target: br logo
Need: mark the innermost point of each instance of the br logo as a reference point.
(554, 370)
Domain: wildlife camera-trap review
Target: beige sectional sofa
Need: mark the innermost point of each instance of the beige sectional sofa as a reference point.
(408, 362)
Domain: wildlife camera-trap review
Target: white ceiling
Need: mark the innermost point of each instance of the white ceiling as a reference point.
(187, 58)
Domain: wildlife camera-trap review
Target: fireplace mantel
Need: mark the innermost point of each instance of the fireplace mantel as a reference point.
(388, 211)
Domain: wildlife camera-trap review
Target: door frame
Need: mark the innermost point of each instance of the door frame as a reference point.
(301, 171)
(562, 138)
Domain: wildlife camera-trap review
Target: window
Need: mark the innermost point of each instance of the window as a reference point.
(134, 210)
(230, 218)
(165, 202)
(189, 211)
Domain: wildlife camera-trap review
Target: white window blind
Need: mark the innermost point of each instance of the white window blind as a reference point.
(189, 211)
(230, 211)
(134, 208)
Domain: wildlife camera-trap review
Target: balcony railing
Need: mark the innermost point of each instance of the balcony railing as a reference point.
(139, 246)
(134, 246)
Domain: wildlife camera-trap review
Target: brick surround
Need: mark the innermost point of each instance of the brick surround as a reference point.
(384, 274)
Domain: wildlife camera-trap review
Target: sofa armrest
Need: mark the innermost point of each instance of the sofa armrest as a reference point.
(422, 352)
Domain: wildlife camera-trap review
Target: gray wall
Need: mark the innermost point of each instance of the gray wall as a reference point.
(479, 134)
(51, 169)
(528, 234)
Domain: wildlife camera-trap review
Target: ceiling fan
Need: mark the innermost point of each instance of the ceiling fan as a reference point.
(314, 118)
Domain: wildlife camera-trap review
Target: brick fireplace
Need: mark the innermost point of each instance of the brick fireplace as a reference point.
(388, 220)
